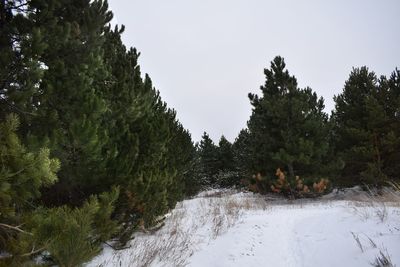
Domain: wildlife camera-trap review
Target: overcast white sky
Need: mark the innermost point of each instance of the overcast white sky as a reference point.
(205, 56)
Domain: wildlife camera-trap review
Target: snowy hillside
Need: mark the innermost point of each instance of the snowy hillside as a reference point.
(242, 229)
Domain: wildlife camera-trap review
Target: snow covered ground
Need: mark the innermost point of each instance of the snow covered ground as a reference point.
(227, 228)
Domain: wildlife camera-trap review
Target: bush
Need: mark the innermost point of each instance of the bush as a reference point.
(296, 187)
(72, 236)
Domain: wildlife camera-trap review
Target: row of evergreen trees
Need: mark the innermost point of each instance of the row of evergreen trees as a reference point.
(214, 165)
(288, 129)
(89, 151)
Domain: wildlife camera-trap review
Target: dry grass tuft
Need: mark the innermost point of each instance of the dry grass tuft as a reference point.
(383, 260)
(357, 239)
(374, 203)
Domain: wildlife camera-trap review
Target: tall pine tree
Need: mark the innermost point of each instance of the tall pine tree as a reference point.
(287, 125)
(367, 127)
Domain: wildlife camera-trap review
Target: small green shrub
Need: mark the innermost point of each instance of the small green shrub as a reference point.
(73, 236)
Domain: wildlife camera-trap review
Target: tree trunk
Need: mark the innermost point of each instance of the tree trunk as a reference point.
(290, 169)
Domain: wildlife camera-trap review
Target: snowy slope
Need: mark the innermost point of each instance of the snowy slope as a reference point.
(243, 229)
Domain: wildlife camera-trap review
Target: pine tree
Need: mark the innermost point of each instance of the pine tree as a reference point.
(390, 99)
(56, 88)
(127, 105)
(21, 47)
(287, 126)
(242, 154)
(22, 175)
(225, 154)
(150, 152)
(80, 92)
(70, 236)
(366, 127)
(72, 108)
(208, 161)
(180, 161)
(227, 173)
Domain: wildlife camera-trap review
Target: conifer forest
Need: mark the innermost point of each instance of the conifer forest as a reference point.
(91, 154)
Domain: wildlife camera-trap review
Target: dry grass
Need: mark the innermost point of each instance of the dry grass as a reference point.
(212, 213)
(215, 212)
(225, 213)
(226, 208)
(373, 204)
(371, 209)
(171, 244)
(357, 239)
(383, 259)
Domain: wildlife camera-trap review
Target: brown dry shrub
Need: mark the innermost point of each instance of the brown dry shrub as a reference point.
(297, 187)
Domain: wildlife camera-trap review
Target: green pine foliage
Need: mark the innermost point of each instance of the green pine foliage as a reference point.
(225, 155)
(150, 152)
(242, 154)
(215, 165)
(22, 175)
(227, 174)
(71, 108)
(125, 158)
(288, 127)
(73, 236)
(180, 161)
(207, 163)
(21, 46)
(366, 127)
(66, 234)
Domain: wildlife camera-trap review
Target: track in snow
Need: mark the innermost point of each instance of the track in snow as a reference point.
(243, 229)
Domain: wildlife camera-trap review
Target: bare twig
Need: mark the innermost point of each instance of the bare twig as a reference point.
(33, 252)
(15, 228)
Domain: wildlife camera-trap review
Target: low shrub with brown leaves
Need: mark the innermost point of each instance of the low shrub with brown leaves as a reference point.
(297, 187)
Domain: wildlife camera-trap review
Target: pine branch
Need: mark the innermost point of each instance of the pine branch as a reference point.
(15, 107)
(15, 228)
(33, 252)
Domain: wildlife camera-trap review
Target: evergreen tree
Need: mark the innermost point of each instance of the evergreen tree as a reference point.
(180, 158)
(149, 152)
(366, 127)
(225, 154)
(390, 99)
(80, 92)
(208, 161)
(242, 154)
(287, 126)
(21, 47)
(56, 88)
(227, 172)
(71, 106)
(22, 175)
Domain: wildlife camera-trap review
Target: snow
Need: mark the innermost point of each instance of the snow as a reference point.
(243, 229)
